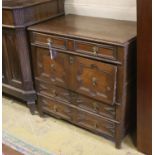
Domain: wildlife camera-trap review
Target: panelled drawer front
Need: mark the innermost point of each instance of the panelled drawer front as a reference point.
(97, 50)
(54, 71)
(56, 108)
(56, 42)
(95, 123)
(64, 95)
(78, 117)
(52, 91)
(95, 106)
(96, 79)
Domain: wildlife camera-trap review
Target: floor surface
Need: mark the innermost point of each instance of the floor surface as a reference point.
(57, 136)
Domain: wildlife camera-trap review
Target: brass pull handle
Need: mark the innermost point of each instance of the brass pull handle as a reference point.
(43, 87)
(50, 48)
(45, 102)
(94, 81)
(55, 108)
(95, 50)
(95, 106)
(95, 125)
(54, 93)
(71, 60)
(52, 65)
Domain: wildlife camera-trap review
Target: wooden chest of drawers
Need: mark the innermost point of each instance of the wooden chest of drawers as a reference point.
(85, 71)
(17, 15)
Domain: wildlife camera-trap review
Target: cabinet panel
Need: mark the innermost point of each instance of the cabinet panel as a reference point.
(11, 63)
(96, 79)
(51, 70)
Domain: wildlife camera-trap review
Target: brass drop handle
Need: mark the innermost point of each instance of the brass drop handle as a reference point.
(43, 87)
(94, 81)
(95, 106)
(71, 59)
(45, 102)
(50, 48)
(95, 50)
(55, 108)
(95, 125)
(54, 93)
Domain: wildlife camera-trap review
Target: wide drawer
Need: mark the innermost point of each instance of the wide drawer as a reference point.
(75, 99)
(77, 46)
(77, 116)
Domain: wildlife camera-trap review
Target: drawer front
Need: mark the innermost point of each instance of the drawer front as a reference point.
(77, 116)
(96, 79)
(95, 123)
(52, 91)
(55, 107)
(43, 39)
(94, 106)
(97, 50)
(54, 71)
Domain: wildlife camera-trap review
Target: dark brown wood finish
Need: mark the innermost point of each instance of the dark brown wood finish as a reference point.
(17, 15)
(84, 74)
(144, 76)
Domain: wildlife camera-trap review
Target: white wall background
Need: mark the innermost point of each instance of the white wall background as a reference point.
(116, 9)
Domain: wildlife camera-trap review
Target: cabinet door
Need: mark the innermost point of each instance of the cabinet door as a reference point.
(54, 71)
(11, 63)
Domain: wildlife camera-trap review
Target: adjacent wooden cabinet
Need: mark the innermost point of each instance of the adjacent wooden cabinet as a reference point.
(144, 76)
(17, 15)
(85, 75)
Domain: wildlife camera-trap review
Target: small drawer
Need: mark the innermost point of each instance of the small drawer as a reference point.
(56, 108)
(95, 106)
(44, 39)
(52, 91)
(97, 50)
(94, 123)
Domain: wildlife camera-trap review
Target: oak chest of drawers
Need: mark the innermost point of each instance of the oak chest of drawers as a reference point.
(17, 15)
(84, 70)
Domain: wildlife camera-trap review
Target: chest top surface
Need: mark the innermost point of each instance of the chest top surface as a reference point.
(15, 4)
(103, 30)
